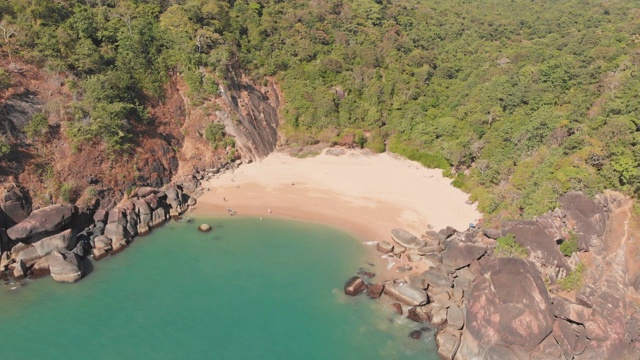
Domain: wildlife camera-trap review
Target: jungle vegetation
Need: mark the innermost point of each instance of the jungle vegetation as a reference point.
(518, 101)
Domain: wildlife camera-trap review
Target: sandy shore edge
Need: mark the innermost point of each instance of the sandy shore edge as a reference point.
(364, 194)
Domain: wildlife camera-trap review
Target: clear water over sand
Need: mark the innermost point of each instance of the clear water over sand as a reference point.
(249, 289)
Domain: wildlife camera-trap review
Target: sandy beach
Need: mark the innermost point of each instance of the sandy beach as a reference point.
(363, 193)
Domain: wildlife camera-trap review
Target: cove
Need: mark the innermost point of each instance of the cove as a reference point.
(249, 289)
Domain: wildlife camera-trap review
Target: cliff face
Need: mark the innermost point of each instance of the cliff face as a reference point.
(250, 115)
(172, 144)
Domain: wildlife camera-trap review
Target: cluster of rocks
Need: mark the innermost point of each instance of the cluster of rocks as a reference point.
(484, 306)
(54, 239)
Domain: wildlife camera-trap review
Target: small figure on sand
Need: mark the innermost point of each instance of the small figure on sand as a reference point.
(269, 210)
(224, 198)
(293, 184)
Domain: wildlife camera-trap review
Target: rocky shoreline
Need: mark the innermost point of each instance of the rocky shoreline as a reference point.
(54, 240)
(484, 305)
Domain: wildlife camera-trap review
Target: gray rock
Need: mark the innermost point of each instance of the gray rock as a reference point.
(64, 240)
(412, 256)
(98, 254)
(435, 236)
(438, 315)
(29, 254)
(552, 229)
(596, 329)
(508, 306)
(159, 216)
(384, 247)
(42, 221)
(40, 269)
(435, 277)
(460, 254)
(565, 337)
(586, 295)
(65, 266)
(101, 216)
(374, 291)
(152, 201)
(20, 270)
(145, 191)
(5, 260)
(429, 249)
(547, 350)
(568, 310)
(116, 232)
(492, 233)
(406, 294)
(447, 232)
(455, 318)
(15, 204)
(102, 242)
(448, 344)
(406, 239)
(204, 228)
(398, 250)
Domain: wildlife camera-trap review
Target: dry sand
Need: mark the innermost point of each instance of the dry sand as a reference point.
(366, 194)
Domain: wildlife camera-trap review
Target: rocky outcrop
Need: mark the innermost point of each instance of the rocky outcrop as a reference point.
(65, 266)
(41, 222)
(587, 217)
(459, 254)
(508, 306)
(406, 293)
(543, 249)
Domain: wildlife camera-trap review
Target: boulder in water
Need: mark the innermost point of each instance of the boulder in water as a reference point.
(204, 227)
(65, 266)
(375, 291)
(406, 293)
(354, 286)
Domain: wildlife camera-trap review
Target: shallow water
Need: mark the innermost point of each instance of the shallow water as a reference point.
(249, 289)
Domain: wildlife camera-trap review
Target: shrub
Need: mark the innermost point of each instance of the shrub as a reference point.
(4, 147)
(37, 126)
(66, 190)
(569, 246)
(508, 247)
(574, 280)
(216, 136)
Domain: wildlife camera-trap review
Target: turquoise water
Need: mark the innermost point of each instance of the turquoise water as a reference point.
(249, 289)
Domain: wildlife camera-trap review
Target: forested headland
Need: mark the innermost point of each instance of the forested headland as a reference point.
(517, 101)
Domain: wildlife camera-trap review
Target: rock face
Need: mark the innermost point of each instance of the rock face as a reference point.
(64, 266)
(406, 239)
(541, 246)
(586, 216)
(42, 221)
(508, 307)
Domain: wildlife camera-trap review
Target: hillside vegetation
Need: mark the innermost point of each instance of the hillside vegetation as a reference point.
(519, 101)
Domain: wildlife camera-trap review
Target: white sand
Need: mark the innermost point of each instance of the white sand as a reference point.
(364, 193)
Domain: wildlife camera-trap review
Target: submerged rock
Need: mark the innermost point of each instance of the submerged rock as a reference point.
(354, 286)
(375, 291)
(204, 228)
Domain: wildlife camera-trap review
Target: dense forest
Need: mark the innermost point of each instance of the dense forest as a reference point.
(518, 101)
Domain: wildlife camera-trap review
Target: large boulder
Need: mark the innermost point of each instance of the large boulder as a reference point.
(448, 344)
(586, 216)
(15, 204)
(406, 239)
(354, 286)
(459, 254)
(506, 307)
(63, 240)
(406, 293)
(568, 310)
(42, 221)
(116, 232)
(541, 246)
(64, 266)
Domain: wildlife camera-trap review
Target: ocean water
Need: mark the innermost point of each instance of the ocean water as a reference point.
(249, 289)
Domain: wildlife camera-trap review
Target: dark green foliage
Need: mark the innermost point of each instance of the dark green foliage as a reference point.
(569, 246)
(216, 136)
(37, 127)
(573, 281)
(527, 99)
